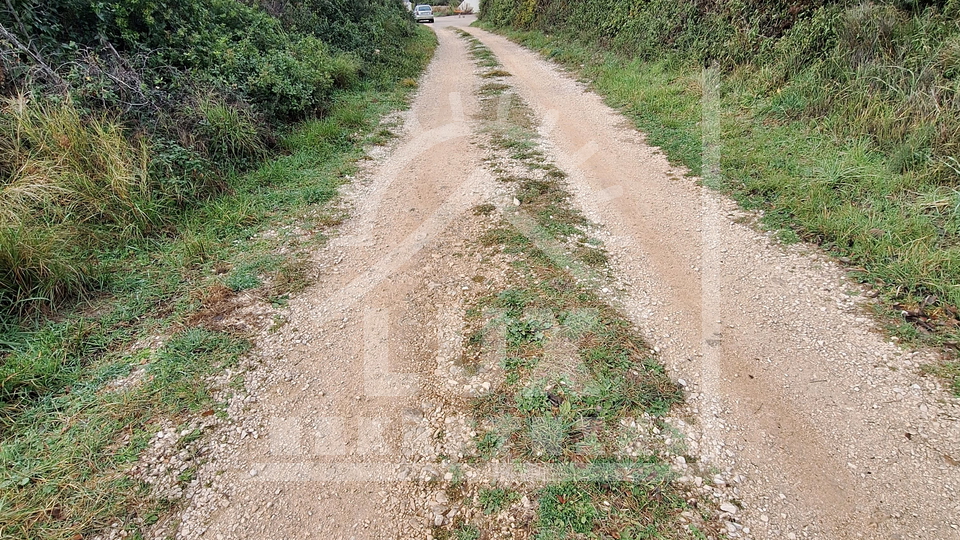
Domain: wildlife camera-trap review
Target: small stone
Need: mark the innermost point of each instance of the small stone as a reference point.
(729, 508)
(254, 472)
(438, 520)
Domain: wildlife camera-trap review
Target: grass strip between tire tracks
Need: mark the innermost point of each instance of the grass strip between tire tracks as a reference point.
(582, 395)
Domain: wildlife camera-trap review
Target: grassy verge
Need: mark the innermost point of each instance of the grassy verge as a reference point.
(83, 390)
(897, 230)
(582, 396)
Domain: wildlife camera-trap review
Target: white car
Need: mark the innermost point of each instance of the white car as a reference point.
(423, 13)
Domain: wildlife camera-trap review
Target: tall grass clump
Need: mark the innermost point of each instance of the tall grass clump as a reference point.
(227, 131)
(65, 183)
(38, 263)
(60, 166)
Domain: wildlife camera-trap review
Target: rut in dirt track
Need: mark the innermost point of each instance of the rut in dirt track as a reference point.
(794, 389)
(351, 354)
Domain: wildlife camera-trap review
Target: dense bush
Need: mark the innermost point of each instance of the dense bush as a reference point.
(727, 31)
(374, 30)
(149, 52)
(144, 58)
(119, 114)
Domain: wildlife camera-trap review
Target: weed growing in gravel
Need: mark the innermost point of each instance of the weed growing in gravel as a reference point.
(493, 500)
(573, 369)
(481, 54)
(484, 209)
(468, 532)
(541, 194)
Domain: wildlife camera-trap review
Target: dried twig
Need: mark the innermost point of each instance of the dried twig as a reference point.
(12, 38)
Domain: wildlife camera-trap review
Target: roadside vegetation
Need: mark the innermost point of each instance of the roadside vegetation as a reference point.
(583, 397)
(161, 165)
(839, 122)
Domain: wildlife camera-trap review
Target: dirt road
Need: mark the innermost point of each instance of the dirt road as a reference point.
(824, 426)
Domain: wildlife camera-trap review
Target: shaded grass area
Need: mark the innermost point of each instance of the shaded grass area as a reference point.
(575, 372)
(158, 318)
(896, 227)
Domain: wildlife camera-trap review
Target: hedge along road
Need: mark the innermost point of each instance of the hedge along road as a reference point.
(830, 428)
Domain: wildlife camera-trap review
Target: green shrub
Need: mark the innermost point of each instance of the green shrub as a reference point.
(345, 70)
(181, 176)
(289, 84)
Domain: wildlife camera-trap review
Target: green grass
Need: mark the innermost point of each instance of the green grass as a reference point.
(68, 439)
(885, 208)
(570, 411)
(574, 369)
(495, 500)
(483, 56)
(65, 457)
(637, 509)
(467, 532)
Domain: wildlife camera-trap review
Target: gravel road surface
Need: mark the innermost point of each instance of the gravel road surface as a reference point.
(825, 426)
